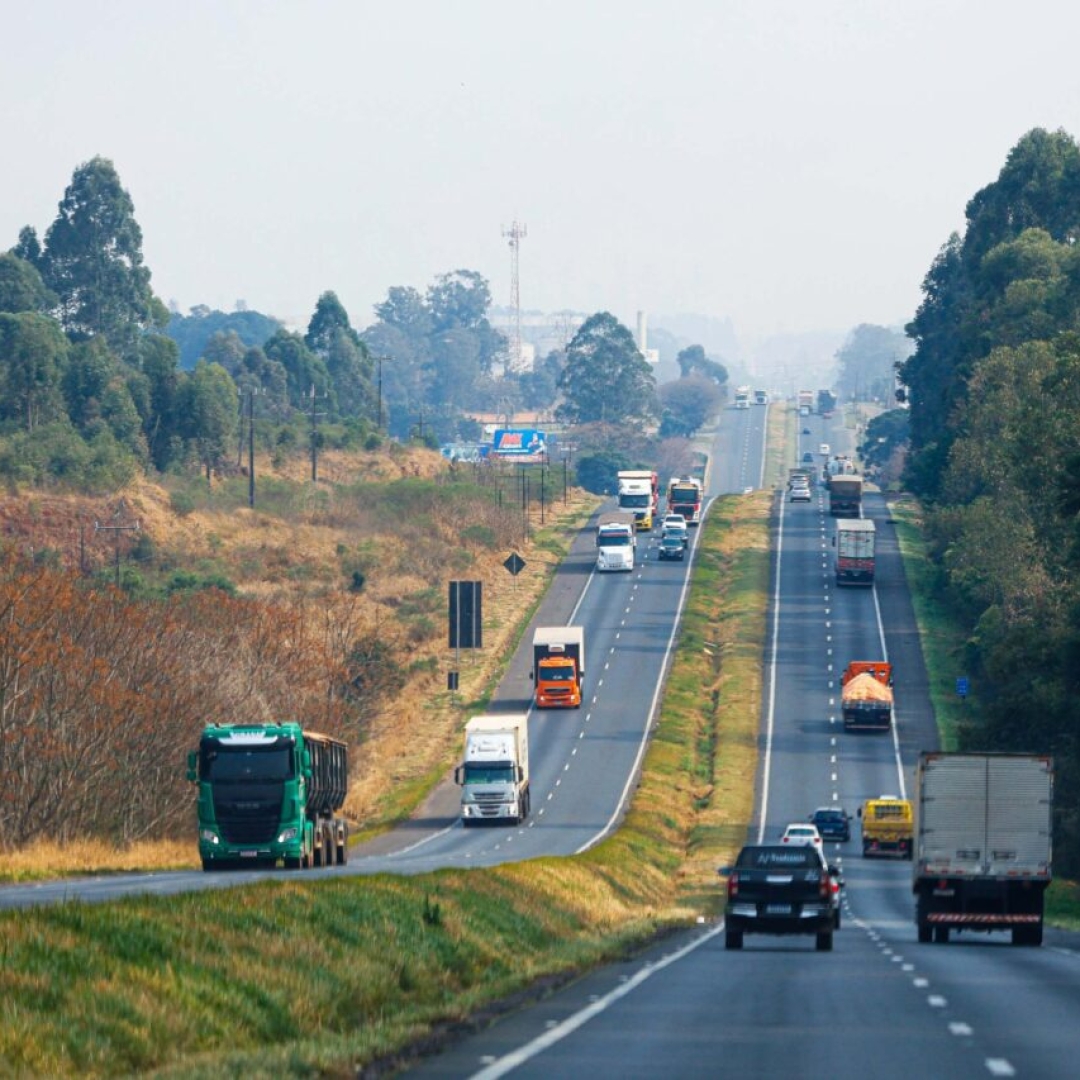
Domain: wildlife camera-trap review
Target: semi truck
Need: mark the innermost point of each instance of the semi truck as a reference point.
(982, 844)
(805, 400)
(742, 397)
(494, 773)
(269, 793)
(761, 397)
(684, 497)
(616, 540)
(866, 696)
(558, 666)
(854, 543)
(639, 491)
(845, 495)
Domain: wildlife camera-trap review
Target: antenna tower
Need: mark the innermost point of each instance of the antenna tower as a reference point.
(516, 233)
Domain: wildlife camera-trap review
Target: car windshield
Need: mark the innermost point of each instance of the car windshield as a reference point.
(778, 858)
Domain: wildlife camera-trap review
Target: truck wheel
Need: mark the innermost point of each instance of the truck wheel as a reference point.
(1027, 935)
(941, 935)
(733, 939)
(824, 941)
(926, 934)
(836, 919)
(296, 863)
(207, 866)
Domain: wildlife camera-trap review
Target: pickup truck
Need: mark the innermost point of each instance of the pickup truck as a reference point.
(779, 889)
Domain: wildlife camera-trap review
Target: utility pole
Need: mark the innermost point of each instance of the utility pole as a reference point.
(116, 528)
(516, 232)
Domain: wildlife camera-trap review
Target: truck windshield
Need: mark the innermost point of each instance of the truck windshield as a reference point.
(246, 763)
(496, 772)
(615, 540)
(558, 673)
(635, 501)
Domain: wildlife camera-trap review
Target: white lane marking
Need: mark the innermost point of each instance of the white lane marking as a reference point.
(957, 1028)
(908, 967)
(571, 1024)
(936, 1001)
(920, 984)
(999, 1067)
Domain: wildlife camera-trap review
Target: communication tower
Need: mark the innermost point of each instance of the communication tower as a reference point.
(515, 232)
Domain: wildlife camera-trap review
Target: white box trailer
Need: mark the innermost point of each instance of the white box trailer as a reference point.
(983, 844)
(494, 775)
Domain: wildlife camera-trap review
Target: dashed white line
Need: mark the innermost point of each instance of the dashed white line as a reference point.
(999, 1067)
(957, 1028)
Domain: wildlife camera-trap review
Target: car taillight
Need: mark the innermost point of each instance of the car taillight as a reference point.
(733, 884)
(825, 884)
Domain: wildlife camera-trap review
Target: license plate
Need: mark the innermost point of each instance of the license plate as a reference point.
(777, 909)
(249, 854)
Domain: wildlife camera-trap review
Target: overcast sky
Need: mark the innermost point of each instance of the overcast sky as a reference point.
(793, 165)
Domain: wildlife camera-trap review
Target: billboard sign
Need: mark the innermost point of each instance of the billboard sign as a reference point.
(521, 444)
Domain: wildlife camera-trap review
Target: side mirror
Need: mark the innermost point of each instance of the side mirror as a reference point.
(724, 871)
(457, 776)
(305, 764)
(859, 812)
(530, 676)
(192, 760)
(520, 774)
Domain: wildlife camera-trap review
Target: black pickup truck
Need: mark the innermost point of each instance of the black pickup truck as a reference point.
(779, 889)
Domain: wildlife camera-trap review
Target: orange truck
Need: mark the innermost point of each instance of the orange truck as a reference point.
(866, 698)
(558, 666)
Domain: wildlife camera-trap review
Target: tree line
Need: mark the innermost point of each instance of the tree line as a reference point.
(994, 393)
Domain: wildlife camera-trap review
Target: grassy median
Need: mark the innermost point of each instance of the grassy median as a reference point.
(303, 976)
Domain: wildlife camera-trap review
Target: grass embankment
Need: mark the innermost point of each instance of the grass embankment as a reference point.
(300, 976)
(943, 638)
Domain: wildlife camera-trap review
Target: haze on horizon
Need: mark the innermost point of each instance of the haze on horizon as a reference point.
(793, 167)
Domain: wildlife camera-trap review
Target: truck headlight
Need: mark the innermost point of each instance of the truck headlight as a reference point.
(288, 834)
(209, 836)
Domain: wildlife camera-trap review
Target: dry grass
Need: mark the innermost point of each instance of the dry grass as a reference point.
(93, 856)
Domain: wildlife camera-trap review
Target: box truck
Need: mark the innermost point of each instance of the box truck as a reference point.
(558, 666)
(494, 772)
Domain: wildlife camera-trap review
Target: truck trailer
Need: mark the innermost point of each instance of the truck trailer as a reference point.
(558, 666)
(494, 773)
(854, 543)
(270, 793)
(982, 844)
(639, 491)
(866, 696)
(616, 540)
(845, 495)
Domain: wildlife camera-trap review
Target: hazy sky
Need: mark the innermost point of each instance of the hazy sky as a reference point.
(794, 165)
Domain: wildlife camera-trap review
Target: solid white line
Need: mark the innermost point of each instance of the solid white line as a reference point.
(770, 712)
(568, 1026)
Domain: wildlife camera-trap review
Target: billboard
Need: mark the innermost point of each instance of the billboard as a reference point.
(521, 444)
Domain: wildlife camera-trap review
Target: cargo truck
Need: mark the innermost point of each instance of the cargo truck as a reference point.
(982, 844)
(845, 495)
(805, 402)
(558, 666)
(639, 491)
(887, 826)
(494, 773)
(866, 696)
(616, 540)
(854, 543)
(269, 793)
(742, 397)
(684, 497)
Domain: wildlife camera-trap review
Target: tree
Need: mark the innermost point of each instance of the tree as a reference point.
(347, 360)
(459, 299)
(21, 287)
(211, 410)
(868, 363)
(304, 370)
(93, 261)
(687, 403)
(33, 355)
(605, 377)
(693, 361)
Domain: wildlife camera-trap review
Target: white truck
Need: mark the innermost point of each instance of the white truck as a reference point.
(494, 776)
(639, 492)
(982, 857)
(616, 540)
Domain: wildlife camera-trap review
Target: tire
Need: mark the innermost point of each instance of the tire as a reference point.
(836, 919)
(824, 941)
(733, 939)
(294, 863)
(1027, 935)
(207, 866)
(926, 934)
(941, 935)
(865, 850)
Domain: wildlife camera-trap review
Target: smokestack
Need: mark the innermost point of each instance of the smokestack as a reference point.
(642, 332)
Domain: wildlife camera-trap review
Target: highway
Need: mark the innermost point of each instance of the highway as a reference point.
(880, 1004)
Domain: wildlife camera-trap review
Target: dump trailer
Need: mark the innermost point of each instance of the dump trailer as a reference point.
(854, 542)
(845, 495)
(494, 773)
(558, 666)
(270, 793)
(616, 540)
(982, 844)
(866, 696)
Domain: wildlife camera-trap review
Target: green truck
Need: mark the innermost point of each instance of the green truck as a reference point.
(270, 793)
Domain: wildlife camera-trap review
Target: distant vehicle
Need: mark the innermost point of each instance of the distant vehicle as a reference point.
(808, 456)
(616, 539)
(639, 491)
(854, 542)
(761, 397)
(780, 889)
(684, 497)
(888, 827)
(742, 397)
(866, 695)
(806, 431)
(797, 833)
(672, 546)
(845, 495)
(494, 774)
(833, 822)
(682, 532)
(674, 519)
(824, 449)
(800, 493)
(558, 666)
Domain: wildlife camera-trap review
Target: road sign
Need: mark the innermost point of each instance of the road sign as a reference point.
(962, 686)
(465, 615)
(515, 564)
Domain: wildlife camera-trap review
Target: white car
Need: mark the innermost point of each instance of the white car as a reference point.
(799, 833)
(673, 519)
(800, 493)
(824, 449)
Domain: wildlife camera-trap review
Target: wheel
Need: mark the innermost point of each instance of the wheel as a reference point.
(342, 854)
(207, 866)
(824, 941)
(1027, 935)
(836, 919)
(941, 935)
(317, 856)
(926, 934)
(295, 863)
(865, 850)
(733, 939)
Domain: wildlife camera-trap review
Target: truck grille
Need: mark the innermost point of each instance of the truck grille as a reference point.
(248, 818)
